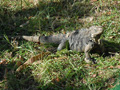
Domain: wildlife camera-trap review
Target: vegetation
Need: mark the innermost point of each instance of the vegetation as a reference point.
(62, 69)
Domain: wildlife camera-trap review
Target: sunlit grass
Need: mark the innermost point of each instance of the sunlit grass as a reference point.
(62, 69)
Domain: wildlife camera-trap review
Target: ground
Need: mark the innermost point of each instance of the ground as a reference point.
(63, 69)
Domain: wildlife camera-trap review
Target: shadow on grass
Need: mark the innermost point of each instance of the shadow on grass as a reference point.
(10, 80)
(111, 48)
(25, 81)
(46, 17)
(43, 15)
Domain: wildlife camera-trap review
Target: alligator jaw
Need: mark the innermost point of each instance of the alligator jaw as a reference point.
(31, 38)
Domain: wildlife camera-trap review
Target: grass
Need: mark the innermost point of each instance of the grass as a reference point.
(63, 69)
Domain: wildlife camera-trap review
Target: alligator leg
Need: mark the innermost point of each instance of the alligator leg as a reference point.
(88, 48)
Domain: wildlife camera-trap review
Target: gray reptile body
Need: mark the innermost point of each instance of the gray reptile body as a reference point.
(83, 40)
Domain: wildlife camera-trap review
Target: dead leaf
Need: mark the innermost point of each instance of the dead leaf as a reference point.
(94, 75)
(111, 67)
(18, 63)
(87, 65)
(105, 67)
(30, 17)
(57, 79)
(118, 66)
(37, 62)
(32, 59)
(109, 13)
(4, 61)
(110, 86)
(84, 81)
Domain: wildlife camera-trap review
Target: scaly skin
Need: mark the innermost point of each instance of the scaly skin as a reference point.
(82, 40)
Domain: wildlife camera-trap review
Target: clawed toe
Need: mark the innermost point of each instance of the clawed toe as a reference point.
(88, 60)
